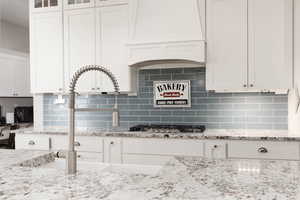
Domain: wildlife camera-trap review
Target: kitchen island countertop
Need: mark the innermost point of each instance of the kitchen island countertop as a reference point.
(22, 157)
(182, 178)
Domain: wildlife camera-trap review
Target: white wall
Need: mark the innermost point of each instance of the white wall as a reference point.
(294, 117)
(14, 37)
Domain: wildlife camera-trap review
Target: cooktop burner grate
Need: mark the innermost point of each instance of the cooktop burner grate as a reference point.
(161, 128)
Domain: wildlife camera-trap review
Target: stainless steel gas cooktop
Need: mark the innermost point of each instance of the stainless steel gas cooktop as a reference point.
(165, 128)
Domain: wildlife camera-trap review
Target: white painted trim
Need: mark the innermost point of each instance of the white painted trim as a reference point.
(38, 112)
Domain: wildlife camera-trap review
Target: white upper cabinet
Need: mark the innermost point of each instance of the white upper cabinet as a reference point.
(46, 52)
(45, 5)
(227, 45)
(14, 79)
(249, 45)
(6, 79)
(22, 77)
(80, 46)
(270, 44)
(73, 4)
(112, 36)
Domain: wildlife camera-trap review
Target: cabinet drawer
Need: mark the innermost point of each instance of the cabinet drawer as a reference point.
(82, 143)
(263, 150)
(88, 143)
(215, 149)
(35, 142)
(89, 157)
(163, 147)
(59, 142)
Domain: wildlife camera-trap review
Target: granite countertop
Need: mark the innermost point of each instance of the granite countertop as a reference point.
(182, 178)
(24, 158)
(228, 134)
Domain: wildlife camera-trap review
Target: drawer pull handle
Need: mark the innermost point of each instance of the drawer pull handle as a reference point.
(31, 142)
(262, 150)
(76, 144)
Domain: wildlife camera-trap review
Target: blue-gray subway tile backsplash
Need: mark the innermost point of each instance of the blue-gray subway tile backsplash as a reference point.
(215, 110)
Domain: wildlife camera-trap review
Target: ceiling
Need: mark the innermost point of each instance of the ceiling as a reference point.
(15, 12)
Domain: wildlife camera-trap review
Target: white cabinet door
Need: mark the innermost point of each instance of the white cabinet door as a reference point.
(263, 150)
(21, 77)
(215, 149)
(45, 5)
(270, 44)
(112, 35)
(80, 46)
(14, 78)
(46, 54)
(113, 150)
(6, 77)
(73, 4)
(226, 45)
(33, 142)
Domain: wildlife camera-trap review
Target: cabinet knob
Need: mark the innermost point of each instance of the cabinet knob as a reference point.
(251, 85)
(31, 142)
(76, 144)
(245, 85)
(112, 142)
(93, 88)
(262, 150)
(60, 89)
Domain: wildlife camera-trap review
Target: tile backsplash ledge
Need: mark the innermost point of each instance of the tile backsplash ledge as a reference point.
(215, 110)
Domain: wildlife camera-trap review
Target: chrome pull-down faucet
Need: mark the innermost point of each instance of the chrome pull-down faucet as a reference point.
(71, 165)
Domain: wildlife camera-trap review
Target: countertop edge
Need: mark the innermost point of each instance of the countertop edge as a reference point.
(210, 134)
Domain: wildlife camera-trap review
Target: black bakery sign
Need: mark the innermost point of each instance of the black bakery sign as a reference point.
(172, 93)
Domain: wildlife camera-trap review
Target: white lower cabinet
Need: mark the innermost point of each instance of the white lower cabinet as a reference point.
(88, 144)
(34, 142)
(150, 151)
(88, 148)
(89, 156)
(113, 150)
(215, 149)
(264, 150)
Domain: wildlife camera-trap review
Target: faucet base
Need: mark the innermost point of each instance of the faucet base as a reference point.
(71, 158)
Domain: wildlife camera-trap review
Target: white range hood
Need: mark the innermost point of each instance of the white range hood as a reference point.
(167, 30)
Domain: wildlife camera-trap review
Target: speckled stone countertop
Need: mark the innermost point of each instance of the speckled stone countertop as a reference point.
(27, 158)
(226, 134)
(182, 178)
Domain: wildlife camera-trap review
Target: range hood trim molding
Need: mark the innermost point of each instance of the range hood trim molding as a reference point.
(194, 50)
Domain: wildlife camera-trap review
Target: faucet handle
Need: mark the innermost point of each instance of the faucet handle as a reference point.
(76, 144)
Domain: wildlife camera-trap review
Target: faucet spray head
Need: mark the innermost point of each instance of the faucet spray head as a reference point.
(115, 118)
